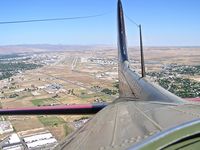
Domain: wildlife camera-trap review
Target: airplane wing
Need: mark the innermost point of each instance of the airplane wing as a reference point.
(145, 116)
(126, 123)
(76, 109)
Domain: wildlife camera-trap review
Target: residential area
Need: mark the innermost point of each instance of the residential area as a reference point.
(78, 77)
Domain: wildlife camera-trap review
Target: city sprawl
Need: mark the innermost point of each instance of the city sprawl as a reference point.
(51, 78)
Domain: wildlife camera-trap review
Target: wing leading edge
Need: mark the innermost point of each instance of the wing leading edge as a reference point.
(77, 109)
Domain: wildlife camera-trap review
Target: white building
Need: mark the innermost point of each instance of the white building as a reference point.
(40, 140)
(41, 143)
(84, 60)
(13, 142)
(13, 139)
(5, 127)
(35, 93)
(37, 137)
(14, 147)
(19, 90)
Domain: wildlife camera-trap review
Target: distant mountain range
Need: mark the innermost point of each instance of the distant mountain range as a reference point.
(33, 48)
(10, 49)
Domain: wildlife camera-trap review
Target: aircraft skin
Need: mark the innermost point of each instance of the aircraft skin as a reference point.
(143, 114)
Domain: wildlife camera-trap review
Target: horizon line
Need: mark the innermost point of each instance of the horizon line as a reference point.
(109, 45)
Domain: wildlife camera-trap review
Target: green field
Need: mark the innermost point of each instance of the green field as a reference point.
(67, 129)
(41, 102)
(51, 120)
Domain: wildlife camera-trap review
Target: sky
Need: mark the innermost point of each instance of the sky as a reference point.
(164, 22)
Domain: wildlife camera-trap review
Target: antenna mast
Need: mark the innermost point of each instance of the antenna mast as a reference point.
(141, 51)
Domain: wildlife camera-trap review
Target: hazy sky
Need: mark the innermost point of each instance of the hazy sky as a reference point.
(165, 22)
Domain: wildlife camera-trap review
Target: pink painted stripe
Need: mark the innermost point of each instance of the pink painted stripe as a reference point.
(77, 106)
(193, 99)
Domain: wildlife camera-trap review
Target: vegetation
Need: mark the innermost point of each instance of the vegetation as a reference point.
(184, 88)
(41, 102)
(172, 78)
(116, 85)
(174, 69)
(5, 75)
(13, 95)
(105, 97)
(9, 56)
(67, 129)
(9, 67)
(109, 92)
(86, 96)
(13, 64)
(7, 70)
(188, 70)
(51, 120)
(83, 117)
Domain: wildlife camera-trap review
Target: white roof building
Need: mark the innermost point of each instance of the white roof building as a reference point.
(18, 90)
(12, 142)
(35, 93)
(5, 127)
(14, 138)
(41, 143)
(38, 137)
(40, 140)
(14, 147)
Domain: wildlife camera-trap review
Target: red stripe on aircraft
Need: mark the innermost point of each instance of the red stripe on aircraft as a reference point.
(76, 106)
(193, 99)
